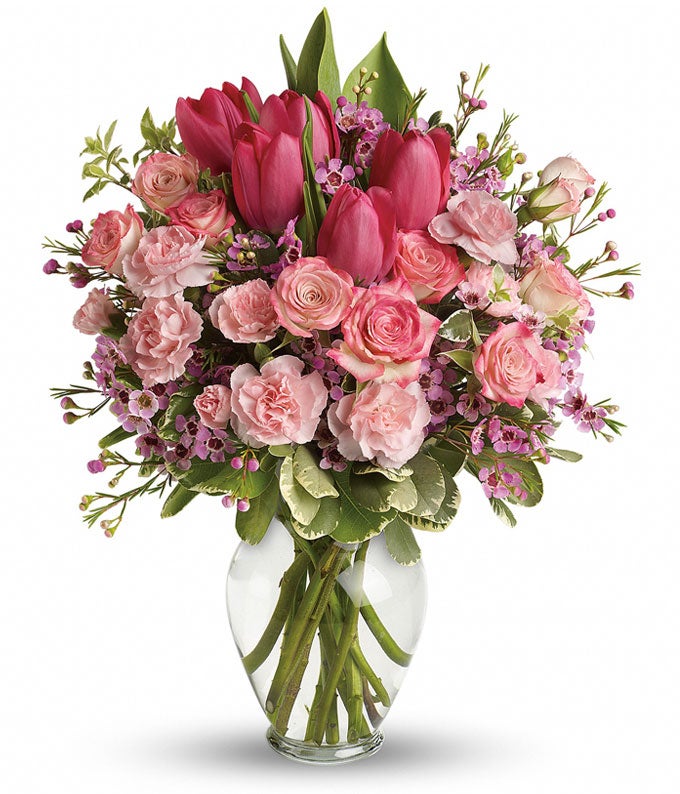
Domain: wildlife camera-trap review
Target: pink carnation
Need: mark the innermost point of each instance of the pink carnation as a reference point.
(278, 405)
(213, 406)
(385, 423)
(168, 259)
(481, 224)
(158, 339)
(114, 235)
(432, 269)
(244, 313)
(95, 314)
(164, 179)
(512, 366)
(204, 214)
(385, 335)
(312, 295)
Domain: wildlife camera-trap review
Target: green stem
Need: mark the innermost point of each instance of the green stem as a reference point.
(387, 642)
(355, 705)
(289, 584)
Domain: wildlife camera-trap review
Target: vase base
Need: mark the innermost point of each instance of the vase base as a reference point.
(309, 753)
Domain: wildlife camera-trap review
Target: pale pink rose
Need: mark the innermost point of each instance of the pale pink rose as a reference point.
(385, 335)
(510, 364)
(114, 235)
(164, 179)
(548, 377)
(158, 339)
(167, 259)
(244, 313)
(479, 291)
(569, 169)
(311, 294)
(95, 314)
(482, 225)
(554, 201)
(278, 405)
(213, 406)
(432, 269)
(385, 423)
(204, 214)
(551, 288)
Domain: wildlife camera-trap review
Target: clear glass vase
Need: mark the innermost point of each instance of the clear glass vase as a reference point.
(326, 632)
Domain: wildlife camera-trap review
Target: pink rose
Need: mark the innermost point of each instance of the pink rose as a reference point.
(167, 259)
(554, 201)
(385, 335)
(278, 405)
(213, 406)
(204, 214)
(95, 314)
(158, 339)
(385, 423)
(551, 288)
(511, 363)
(312, 295)
(432, 269)
(549, 377)
(163, 179)
(480, 224)
(489, 289)
(569, 169)
(244, 313)
(114, 235)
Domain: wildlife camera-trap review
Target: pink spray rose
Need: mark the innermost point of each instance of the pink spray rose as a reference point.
(481, 290)
(384, 423)
(167, 259)
(268, 177)
(511, 364)
(480, 224)
(244, 313)
(415, 168)
(311, 294)
(554, 201)
(158, 339)
(551, 288)
(213, 406)
(277, 405)
(95, 313)
(163, 179)
(432, 269)
(207, 125)
(359, 233)
(569, 169)
(204, 214)
(114, 235)
(385, 335)
(549, 376)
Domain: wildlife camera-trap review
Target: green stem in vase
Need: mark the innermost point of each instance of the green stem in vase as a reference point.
(355, 705)
(289, 584)
(387, 642)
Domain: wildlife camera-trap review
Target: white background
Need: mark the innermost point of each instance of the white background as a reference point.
(549, 662)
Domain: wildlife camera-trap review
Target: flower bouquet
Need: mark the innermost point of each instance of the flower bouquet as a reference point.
(322, 308)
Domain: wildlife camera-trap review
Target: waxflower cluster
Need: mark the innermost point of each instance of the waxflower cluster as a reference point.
(325, 306)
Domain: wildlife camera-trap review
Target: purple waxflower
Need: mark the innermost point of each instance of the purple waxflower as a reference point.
(150, 445)
(135, 424)
(532, 318)
(292, 249)
(574, 403)
(180, 455)
(332, 175)
(469, 173)
(242, 251)
(332, 459)
(477, 438)
(471, 406)
(471, 296)
(96, 466)
(371, 120)
(507, 437)
(591, 418)
(492, 483)
(51, 266)
(418, 125)
(142, 403)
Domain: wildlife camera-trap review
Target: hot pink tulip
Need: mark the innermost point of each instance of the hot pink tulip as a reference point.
(268, 177)
(207, 125)
(359, 233)
(287, 113)
(415, 167)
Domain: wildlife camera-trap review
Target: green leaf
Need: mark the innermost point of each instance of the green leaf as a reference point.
(462, 357)
(316, 481)
(396, 475)
(315, 206)
(531, 480)
(281, 450)
(288, 64)
(401, 542)
(109, 134)
(178, 499)
(303, 506)
(405, 496)
(503, 512)
(389, 92)
(115, 437)
(356, 523)
(180, 404)
(564, 454)
(429, 482)
(262, 353)
(372, 492)
(317, 69)
(449, 457)
(220, 478)
(457, 327)
(323, 523)
(252, 524)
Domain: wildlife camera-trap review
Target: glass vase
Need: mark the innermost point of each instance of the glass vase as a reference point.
(326, 632)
